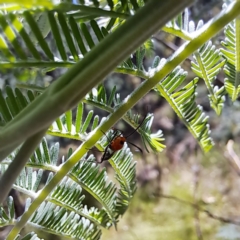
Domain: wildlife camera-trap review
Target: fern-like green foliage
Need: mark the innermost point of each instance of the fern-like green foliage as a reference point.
(63, 35)
(231, 54)
(29, 236)
(180, 26)
(7, 216)
(13, 103)
(183, 100)
(183, 103)
(68, 194)
(74, 127)
(85, 175)
(207, 65)
(86, 38)
(71, 39)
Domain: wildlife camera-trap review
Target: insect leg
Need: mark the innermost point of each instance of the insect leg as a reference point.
(136, 146)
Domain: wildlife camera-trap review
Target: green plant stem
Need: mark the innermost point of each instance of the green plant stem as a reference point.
(69, 89)
(89, 102)
(34, 64)
(15, 168)
(85, 10)
(179, 33)
(208, 31)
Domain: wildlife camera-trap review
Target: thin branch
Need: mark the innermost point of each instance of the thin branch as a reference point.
(196, 172)
(232, 156)
(211, 215)
(170, 46)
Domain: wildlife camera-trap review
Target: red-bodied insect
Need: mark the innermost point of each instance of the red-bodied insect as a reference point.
(117, 141)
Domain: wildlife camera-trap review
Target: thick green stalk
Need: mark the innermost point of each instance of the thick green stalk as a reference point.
(208, 31)
(81, 78)
(15, 168)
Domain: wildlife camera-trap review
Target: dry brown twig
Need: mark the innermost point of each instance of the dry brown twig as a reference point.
(210, 214)
(233, 158)
(196, 173)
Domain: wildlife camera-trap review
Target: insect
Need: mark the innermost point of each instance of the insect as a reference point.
(117, 141)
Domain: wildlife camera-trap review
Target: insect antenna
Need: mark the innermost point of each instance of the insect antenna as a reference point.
(136, 146)
(140, 124)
